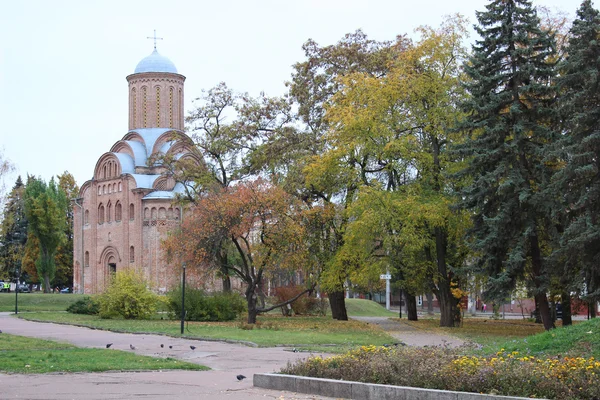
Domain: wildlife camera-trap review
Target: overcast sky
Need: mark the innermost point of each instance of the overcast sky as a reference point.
(63, 93)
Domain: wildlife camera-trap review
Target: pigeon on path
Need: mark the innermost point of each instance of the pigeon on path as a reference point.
(162, 345)
(240, 377)
(132, 347)
(193, 347)
(108, 345)
(170, 346)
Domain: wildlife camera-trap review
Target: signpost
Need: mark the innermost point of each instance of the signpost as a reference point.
(387, 278)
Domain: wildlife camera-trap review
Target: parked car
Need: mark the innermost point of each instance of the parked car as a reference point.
(67, 290)
(21, 288)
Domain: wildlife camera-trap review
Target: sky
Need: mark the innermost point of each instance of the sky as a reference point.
(63, 93)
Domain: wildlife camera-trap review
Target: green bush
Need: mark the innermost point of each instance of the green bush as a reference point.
(127, 296)
(202, 307)
(87, 305)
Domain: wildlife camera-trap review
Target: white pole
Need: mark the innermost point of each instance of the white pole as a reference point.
(387, 291)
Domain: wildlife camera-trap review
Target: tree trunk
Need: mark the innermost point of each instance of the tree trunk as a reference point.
(444, 294)
(429, 297)
(446, 301)
(566, 309)
(592, 307)
(544, 309)
(222, 258)
(411, 306)
(226, 284)
(47, 288)
(252, 309)
(338, 305)
(540, 290)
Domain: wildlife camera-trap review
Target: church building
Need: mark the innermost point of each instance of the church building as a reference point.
(127, 207)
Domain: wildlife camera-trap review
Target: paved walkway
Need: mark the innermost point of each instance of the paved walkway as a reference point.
(227, 360)
(410, 335)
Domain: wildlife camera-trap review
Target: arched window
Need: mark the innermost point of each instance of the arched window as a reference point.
(131, 254)
(146, 213)
(86, 261)
(99, 190)
(144, 106)
(131, 212)
(104, 172)
(176, 214)
(104, 189)
(118, 212)
(109, 191)
(158, 106)
(86, 217)
(120, 187)
(109, 212)
(171, 106)
(153, 214)
(170, 213)
(162, 213)
(114, 188)
(100, 214)
(134, 104)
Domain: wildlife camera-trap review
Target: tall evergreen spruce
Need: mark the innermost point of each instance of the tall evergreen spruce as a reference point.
(508, 114)
(579, 181)
(13, 232)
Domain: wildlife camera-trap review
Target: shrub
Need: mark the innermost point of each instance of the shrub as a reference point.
(127, 296)
(304, 305)
(87, 305)
(202, 307)
(505, 373)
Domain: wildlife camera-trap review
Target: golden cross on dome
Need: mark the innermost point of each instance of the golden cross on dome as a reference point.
(155, 38)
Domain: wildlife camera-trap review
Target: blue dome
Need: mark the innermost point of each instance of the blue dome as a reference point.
(155, 63)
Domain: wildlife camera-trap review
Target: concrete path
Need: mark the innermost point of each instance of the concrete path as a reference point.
(410, 335)
(227, 360)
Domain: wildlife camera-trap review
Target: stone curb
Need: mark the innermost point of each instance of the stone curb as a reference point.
(362, 391)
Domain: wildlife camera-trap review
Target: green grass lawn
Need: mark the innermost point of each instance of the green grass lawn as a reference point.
(366, 308)
(580, 339)
(38, 301)
(35, 356)
(311, 332)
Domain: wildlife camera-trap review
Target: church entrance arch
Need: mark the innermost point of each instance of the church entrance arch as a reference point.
(109, 260)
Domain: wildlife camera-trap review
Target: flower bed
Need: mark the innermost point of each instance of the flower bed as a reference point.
(510, 374)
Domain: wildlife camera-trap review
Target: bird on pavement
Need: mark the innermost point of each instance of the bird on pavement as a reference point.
(240, 377)
(162, 345)
(193, 347)
(108, 345)
(170, 346)
(132, 347)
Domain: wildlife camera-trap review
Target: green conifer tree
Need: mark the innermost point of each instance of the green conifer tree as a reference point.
(13, 232)
(578, 182)
(508, 117)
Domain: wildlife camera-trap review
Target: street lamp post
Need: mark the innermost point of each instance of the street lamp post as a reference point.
(17, 293)
(183, 298)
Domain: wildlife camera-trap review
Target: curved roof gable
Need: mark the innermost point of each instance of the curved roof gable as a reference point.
(166, 194)
(148, 136)
(124, 165)
(144, 181)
